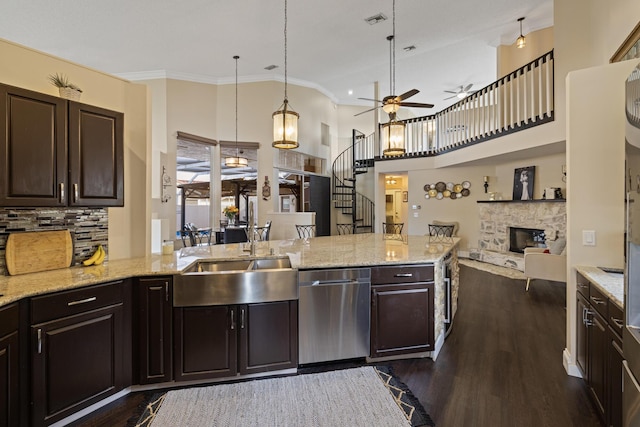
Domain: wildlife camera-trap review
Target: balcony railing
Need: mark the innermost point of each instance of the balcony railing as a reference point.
(517, 101)
(632, 97)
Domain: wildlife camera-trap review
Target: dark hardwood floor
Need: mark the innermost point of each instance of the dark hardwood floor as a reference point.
(500, 366)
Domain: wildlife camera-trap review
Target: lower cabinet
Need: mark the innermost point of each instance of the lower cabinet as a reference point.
(9, 366)
(154, 305)
(226, 340)
(599, 350)
(80, 347)
(402, 316)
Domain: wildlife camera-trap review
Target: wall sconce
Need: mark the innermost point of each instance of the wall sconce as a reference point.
(486, 183)
(564, 173)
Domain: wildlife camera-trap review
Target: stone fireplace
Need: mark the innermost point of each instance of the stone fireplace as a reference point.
(497, 218)
(521, 238)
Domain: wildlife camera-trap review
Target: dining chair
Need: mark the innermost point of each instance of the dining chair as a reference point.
(392, 227)
(441, 231)
(345, 228)
(306, 231)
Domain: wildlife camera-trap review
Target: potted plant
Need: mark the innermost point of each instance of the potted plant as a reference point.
(67, 89)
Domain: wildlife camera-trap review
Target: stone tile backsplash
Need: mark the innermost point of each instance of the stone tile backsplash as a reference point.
(89, 227)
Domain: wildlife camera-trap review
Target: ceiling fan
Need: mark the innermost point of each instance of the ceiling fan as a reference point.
(462, 92)
(392, 103)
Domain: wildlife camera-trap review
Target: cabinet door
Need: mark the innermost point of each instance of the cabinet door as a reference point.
(96, 154)
(582, 347)
(33, 154)
(205, 342)
(77, 361)
(401, 319)
(154, 330)
(9, 366)
(597, 360)
(615, 380)
(268, 336)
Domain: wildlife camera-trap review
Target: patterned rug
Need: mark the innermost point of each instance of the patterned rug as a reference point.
(351, 397)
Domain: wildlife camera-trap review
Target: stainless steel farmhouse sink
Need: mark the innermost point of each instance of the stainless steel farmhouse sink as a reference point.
(243, 281)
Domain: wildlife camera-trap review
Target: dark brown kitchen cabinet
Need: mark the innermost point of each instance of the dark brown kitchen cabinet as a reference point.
(599, 352)
(80, 349)
(402, 315)
(227, 340)
(9, 366)
(154, 329)
(56, 152)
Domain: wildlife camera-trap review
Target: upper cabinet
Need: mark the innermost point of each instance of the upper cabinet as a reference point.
(58, 153)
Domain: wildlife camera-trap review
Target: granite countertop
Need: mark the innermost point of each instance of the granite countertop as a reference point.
(321, 252)
(611, 284)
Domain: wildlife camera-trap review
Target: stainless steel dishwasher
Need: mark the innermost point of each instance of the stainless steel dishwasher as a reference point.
(334, 314)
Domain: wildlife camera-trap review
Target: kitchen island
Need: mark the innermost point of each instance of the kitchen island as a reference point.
(125, 310)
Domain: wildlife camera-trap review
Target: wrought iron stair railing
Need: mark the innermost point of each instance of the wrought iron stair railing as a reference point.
(352, 162)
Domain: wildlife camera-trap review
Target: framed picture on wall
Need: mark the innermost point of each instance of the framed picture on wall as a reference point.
(523, 183)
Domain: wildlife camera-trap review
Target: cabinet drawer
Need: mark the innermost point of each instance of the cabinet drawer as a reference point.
(67, 303)
(582, 285)
(598, 300)
(402, 274)
(616, 318)
(8, 319)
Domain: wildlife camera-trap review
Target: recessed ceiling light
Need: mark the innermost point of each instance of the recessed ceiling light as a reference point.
(270, 67)
(375, 19)
(409, 48)
(350, 92)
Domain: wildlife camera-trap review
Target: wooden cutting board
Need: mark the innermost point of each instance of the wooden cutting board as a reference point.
(32, 251)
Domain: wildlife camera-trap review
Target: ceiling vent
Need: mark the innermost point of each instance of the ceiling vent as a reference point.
(409, 48)
(270, 67)
(375, 19)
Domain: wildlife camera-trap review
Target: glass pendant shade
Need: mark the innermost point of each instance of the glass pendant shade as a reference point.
(285, 128)
(393, 138)
(521, 42)
(236, 162)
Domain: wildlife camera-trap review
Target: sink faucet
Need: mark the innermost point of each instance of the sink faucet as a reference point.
(251, 227)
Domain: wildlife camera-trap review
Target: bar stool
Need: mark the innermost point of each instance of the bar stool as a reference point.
(392, 227)
(306, 231)
(345, 228)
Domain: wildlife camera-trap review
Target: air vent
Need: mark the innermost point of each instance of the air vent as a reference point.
(375, 19)
(270, 67)
(409, 48)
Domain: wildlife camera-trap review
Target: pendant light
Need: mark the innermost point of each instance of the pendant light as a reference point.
(285, 120)
(521, 41)
(237, 161)
(392, 133)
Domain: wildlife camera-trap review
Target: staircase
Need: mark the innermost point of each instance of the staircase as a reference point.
(355, 160)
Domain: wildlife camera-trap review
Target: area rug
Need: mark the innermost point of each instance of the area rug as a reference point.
(364, 396)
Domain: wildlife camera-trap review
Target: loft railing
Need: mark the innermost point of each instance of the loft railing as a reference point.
(632, 97)
(517, 101)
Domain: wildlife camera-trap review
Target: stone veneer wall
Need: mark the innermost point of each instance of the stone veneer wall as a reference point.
(89, 227)
(496, 218)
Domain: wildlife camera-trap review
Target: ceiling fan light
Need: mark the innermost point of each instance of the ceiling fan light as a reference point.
(285, 128)
(462, 95)
(390, 108)
(393, 138)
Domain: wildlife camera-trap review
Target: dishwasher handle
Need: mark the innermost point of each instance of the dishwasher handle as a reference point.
(332, 283)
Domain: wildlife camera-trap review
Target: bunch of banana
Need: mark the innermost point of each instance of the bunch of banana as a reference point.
(96, 258)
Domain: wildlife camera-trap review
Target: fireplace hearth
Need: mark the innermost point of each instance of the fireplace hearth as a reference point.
(521, 238)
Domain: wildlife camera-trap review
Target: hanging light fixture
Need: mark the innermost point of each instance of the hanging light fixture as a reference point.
(521, 41)
(392, 133)
(237, 161)
(285, 120)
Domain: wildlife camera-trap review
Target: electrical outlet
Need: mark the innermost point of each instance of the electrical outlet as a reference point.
(588, 238)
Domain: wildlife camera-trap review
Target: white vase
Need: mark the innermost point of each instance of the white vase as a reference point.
(68, 93)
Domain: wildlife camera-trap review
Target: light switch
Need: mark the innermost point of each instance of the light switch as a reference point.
(416, 214)
(588, 238)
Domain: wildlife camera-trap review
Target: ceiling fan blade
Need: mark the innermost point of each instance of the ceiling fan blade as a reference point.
(415, 105)
(454, 96)
(407, 94)
(452, 91)
(370, 99)
(466, 89)
(365, 111)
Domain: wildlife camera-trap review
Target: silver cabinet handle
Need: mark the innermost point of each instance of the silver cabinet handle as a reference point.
(233, 322)
(39, 341)
(403, 275)
(242, 318)
(166, 291)
(62, 192)
(618, 322)
(82, 301)
(587, 321)
(75, 192)
(597, 300)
